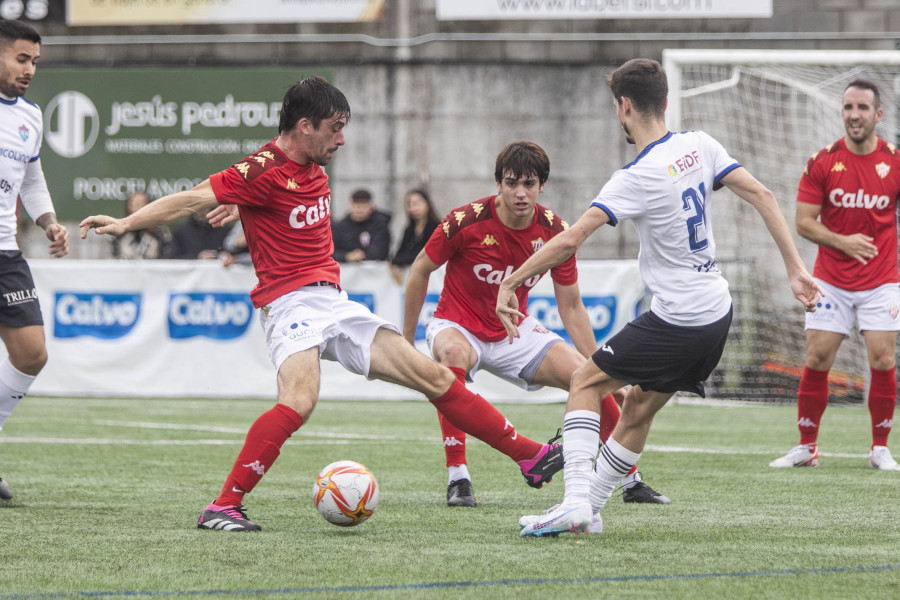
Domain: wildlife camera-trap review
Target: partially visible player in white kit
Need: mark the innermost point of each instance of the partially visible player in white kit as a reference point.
(847, 204)
(666, 192)
(21, 176)
(479, 242)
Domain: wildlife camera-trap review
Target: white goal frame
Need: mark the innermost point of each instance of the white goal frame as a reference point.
(673, 59)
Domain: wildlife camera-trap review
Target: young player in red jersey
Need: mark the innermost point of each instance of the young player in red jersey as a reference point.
(285, 203)
(847, 204)
(480, 243)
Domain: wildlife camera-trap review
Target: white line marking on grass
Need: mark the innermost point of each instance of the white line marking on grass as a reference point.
(243, 431)
(124, 442)
(675, 449)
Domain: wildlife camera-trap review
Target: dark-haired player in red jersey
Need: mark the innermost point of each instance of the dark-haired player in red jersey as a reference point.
(847, 204)
(480, 243)
(285, 204)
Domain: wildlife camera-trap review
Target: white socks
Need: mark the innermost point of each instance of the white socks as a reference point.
(581, 440)
(458, 472)
(14, 385)
(612, 465)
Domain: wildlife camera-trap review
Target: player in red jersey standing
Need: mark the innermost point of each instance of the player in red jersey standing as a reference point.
(480, 243)
(847, 204)
(285, 204)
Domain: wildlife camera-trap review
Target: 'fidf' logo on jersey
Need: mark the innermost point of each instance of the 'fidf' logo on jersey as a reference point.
(537, 244)
(882, 169)
(24, 133)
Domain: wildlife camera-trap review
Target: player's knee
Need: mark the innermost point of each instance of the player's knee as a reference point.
(30, 362)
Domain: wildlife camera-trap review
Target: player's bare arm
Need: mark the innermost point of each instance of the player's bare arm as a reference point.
(165, 210)
(56, 233)
(804, 287)
(857, 246)
(575, 318)
(557, 250)
(414, 296)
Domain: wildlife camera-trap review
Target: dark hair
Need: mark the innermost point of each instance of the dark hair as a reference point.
(523, 158)
(432, 215)
(643, 81)
(361, 195)
(314, 99)
(865, 84)
(10, 31)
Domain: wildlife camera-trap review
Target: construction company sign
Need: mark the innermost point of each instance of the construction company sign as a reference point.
(451, 10)
(110, 132)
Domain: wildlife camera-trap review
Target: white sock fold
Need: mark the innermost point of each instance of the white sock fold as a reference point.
(458, 472)
(612, 464)
(581, 439)
(14, 384)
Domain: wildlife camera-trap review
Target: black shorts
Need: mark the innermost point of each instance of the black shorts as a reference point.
(662, 357)
(19, 305)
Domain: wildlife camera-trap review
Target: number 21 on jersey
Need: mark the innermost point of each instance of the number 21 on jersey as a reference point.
(691, 199)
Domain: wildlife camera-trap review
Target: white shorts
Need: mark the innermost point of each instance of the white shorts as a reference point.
(517, 363)
(322, 317)
(877, 309)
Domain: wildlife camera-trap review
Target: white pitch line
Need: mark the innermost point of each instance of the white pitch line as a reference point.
(114, 442)
(676, 449)
(305, 433)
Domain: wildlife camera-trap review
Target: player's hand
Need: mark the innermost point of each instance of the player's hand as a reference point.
(806, 290)
(59, 240)
(102, 225)
(508, 312)
(223, 215)
(859, 246)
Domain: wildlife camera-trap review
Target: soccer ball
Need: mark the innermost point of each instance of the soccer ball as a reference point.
(345, 493)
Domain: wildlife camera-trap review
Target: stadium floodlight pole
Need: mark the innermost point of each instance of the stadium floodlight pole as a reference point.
(674, 59)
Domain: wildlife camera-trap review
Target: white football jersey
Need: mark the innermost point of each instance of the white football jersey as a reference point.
(666, 193)
(21, 131)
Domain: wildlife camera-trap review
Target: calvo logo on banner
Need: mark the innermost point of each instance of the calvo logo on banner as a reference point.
(103, 316)
(216, 315)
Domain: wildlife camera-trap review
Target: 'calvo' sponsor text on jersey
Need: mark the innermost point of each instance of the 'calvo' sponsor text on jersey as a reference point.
(857, 199)
(104, 316)
(304, 215)
(216, 315)
(489, 274)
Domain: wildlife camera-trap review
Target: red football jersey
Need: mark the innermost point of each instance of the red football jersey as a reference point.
(286, 212)
(858, 194)
(480, 252)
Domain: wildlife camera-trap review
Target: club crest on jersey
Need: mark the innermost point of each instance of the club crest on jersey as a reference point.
(838, 167)
(537, 244)
(489, 240)
(24, 133)
(882, 169)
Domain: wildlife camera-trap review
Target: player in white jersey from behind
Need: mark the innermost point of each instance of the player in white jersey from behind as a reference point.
(21, 176)
(666, 193)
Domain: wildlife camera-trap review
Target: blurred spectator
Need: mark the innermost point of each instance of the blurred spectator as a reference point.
(364, 233)
(197, 239)
(421, 221)
(144, 243)
(235, 247)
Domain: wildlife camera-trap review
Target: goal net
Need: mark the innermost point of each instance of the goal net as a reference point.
(772, 110)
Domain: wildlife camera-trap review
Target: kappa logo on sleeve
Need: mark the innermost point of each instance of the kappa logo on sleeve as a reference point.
(103, 316)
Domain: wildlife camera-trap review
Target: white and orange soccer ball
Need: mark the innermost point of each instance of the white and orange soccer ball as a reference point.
(345, 493)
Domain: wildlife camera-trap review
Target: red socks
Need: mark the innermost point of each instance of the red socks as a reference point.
(454, 437)
(476, 416)
(882, 398)
(261, 447)
(812, 399)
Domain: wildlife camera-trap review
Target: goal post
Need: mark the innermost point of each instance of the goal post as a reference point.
(773, 109)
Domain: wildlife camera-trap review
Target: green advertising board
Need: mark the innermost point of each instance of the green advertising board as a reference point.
(109, 132)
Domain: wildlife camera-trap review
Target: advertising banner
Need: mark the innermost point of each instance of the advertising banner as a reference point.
(109, 132)
(202, 12)
(457, 10)
(178, 328)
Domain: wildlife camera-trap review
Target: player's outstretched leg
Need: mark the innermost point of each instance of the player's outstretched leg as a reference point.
(5, 491)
